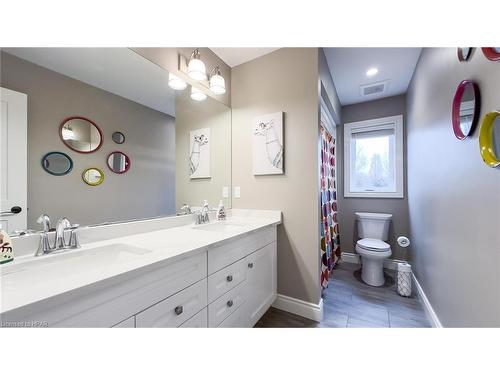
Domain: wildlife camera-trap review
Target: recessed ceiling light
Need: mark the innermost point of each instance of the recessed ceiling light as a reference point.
(371, 72)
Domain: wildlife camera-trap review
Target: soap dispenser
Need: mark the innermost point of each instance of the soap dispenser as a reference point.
(6, 253)
(221, 211)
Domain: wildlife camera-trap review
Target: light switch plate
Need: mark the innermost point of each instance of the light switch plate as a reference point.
(225, 192)
(237, 192)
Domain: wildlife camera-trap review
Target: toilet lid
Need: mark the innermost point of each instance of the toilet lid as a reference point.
(373, 244)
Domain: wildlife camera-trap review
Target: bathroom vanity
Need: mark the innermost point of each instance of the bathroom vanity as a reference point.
(167, 273)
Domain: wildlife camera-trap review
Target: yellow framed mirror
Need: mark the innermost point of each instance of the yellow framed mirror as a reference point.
(489, 139)
(93, 176)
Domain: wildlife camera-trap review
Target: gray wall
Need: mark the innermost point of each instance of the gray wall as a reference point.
(147, 189)
(454, 198)
(395, 105)
(284, 80)
(192, 115)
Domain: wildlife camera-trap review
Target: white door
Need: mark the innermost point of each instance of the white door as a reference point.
(261, 283)
(13, 158)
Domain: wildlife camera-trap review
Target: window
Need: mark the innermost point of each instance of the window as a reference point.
(373, 158)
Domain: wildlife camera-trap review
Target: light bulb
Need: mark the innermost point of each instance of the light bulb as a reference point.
(217, 83)
(196, 67)
(371, 72)
(175, 82)
(197, 94)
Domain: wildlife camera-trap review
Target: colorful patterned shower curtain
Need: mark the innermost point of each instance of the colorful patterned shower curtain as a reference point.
(330, 238)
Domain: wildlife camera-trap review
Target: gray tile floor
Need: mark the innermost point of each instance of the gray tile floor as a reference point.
(348, 302)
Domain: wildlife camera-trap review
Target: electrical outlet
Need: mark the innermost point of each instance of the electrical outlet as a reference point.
(237, 192)
(225, 192)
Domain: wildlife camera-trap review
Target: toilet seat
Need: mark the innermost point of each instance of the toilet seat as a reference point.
(372, 244)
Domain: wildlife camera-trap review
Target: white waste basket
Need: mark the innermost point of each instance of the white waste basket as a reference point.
(404, 279)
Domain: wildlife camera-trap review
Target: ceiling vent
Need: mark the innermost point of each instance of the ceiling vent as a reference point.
(374, 88)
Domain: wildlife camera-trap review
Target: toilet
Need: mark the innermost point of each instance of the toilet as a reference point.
(373, 230)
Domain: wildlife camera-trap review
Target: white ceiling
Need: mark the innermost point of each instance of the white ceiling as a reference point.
(237, 56)
(348, 68)
(120, 71)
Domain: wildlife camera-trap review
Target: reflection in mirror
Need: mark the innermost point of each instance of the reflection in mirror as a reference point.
(81, 134)
(118, 162)
(93, 176)
(155, 121)
(465, 109)
(57, 163)
(118, 137)
(497, 49)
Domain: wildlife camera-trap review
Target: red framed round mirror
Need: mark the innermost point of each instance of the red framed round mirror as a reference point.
(492, 53)
(80, 134)
(118, 162)
(465, 109)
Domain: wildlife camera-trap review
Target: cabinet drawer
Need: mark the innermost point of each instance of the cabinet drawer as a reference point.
(226, 305)
(233, 251)
(127, 323)
(234, 320)
(174, 311)
(200, 320)
(226, 279)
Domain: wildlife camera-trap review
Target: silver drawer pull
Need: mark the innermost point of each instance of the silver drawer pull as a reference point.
(250, 265)
(178, 310)
(229, 278)
(230, 303)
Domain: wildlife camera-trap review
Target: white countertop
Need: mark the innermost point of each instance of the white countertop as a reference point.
(30, 279)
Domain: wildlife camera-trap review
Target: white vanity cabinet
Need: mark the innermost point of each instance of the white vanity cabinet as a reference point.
(230, 284)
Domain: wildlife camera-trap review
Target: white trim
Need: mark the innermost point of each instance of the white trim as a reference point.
(429, 311)
(350, 258)
(298, 307)
(392, 122)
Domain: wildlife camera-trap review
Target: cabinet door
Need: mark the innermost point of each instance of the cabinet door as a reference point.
(200, 320)
(260, 284)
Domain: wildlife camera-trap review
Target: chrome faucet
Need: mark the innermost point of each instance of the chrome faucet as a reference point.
(202, 216)
(63, 224)
(185, 210)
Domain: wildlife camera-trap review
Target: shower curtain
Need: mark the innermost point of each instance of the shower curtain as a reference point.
(330, 238)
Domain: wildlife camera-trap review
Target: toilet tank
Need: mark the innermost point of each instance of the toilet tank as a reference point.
(373, 225)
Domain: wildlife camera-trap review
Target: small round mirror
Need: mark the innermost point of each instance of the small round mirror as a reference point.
(118, 162)
(465, 110)
(489, 139)
(93, 176)
(118, 137)
(80, 134)
(57, 163)
(464, 53)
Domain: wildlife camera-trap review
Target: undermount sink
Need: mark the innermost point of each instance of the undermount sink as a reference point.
(221, 227)
(83, 257)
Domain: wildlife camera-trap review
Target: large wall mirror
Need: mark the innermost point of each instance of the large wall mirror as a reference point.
(122, 117)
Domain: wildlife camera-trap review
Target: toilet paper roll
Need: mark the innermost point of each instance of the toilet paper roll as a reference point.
(403, 241)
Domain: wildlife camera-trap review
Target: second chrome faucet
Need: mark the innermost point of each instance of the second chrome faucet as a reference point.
(63, 225)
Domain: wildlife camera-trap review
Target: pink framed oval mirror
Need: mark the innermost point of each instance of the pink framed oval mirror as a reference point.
(465, 109)
(492, 53)
(118, 162)
(80, 134)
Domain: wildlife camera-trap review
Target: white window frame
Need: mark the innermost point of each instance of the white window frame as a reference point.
(392, 122)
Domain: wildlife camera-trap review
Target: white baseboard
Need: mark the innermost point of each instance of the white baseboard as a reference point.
(391, 264)
(429, 311)
(298, 307)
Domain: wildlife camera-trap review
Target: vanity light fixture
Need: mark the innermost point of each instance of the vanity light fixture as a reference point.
(196, 67)
(371, 72)
(175, 82)
(217, 82)
(197, 94)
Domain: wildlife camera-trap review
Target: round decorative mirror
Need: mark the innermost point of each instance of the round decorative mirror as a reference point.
(93, 176)
(118, 162)
(80, 134)
(57, 163)
(492, 53)
(464, 53)
(118, 137)
(465, 110)
(489, 139)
